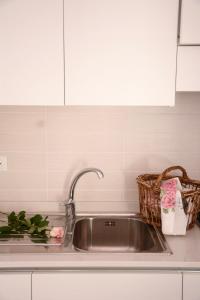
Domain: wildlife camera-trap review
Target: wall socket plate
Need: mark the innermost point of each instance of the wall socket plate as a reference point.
(3, 163)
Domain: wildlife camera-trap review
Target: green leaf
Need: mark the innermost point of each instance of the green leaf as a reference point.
(36, 219)
(21, 215)
(5, 229)
(12, 219)
(44, 223)
(32, 229)
(41, 229)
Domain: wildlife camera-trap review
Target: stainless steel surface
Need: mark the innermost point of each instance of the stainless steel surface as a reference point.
(120, 240)
(70, 204)
(115, 234)
(80, 174)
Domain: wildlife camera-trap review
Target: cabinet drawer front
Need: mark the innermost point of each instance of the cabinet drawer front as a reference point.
(191, 283)
(188, 69)
(106, 285)
(15, 286)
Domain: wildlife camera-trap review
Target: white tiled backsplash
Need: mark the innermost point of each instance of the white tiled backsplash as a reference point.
(46, 147)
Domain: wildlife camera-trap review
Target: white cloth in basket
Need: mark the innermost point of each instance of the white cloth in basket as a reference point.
(173, 217)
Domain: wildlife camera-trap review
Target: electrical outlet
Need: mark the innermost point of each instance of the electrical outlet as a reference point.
(3, 163)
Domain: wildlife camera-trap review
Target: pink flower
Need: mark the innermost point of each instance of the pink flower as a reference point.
(57, 232)
(169, 184)
(169, 200)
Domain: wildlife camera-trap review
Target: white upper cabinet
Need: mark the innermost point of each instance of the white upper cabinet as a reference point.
(188, 69)
(190, 22)
(31, 52)
(120, 52)
(188, 58)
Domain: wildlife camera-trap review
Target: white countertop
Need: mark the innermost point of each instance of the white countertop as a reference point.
(186, 256)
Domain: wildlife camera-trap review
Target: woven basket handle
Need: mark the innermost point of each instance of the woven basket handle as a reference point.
(166, 171)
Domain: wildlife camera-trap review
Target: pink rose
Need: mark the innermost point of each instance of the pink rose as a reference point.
(169, 185)
(57, 232)
(169, 200)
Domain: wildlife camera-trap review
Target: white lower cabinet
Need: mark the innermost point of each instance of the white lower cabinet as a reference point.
(107, 285)
(15, 286)
(191, 284)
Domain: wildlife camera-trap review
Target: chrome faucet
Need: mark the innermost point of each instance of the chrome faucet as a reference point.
(70, 204)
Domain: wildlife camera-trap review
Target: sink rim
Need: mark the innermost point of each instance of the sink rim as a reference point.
(161, 238)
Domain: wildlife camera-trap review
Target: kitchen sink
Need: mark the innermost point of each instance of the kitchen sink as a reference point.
(117, 234)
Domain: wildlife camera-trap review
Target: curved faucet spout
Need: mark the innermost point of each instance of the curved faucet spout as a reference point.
(75, 180)
(70, 204)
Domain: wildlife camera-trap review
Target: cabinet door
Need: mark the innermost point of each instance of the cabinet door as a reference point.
(188, 68)
(15, 286)
(191, 283)
(190, 22)
(120, 52)
(106, 285)
(31, 52)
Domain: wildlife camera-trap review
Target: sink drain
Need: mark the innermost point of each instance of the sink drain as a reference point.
(110, 223)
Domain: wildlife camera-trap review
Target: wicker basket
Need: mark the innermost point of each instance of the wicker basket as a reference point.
(149, 195)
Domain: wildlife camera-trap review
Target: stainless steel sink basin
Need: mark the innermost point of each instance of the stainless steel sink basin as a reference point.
(117, 234)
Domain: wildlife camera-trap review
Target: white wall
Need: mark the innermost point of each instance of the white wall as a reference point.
(46, 147)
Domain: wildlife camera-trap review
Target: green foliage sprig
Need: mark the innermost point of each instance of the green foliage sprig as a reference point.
(36, 226)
